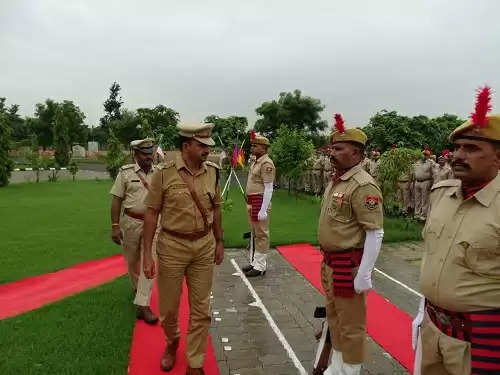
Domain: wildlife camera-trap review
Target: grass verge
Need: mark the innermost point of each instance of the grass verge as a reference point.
(89, 333)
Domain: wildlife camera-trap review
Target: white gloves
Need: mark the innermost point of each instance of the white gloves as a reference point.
(266, 199)
(373, 243)
(415, 325)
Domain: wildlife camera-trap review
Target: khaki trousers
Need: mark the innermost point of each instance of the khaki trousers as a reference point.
(405, 195)
(260, 232)
(194, 260)
(132, 249)
(442, 354)
(422, 191)
(346, 319)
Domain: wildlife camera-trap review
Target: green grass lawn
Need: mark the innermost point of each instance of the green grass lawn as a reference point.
(89, 333)
(49, 226)
(294, 218)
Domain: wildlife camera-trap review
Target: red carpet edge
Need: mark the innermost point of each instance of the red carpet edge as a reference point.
(389, 326)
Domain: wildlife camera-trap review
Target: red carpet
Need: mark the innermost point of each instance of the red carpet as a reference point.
(389, 326)
(33, 292)
(148, 344)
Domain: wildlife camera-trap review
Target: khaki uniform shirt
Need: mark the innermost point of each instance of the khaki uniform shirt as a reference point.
(169, 194)
(261, 172)
(423, 170)
(443, 173)
(349, 208)
(461, 264)
(129, 187)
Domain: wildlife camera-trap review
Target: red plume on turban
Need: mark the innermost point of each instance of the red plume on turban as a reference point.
(445, 153)
(339, 122)
(252, 135)
(482, 107)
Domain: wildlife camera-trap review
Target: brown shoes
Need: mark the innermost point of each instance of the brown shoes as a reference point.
(145, 313)
(167, 361)
(195, 371)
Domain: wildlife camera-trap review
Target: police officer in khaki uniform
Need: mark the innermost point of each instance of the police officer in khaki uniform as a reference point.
(259, 193)
(423, 171)
(350, 233)
(460, 274)
(443, 169)
(405, 192)
(186, 192)
(127, 218)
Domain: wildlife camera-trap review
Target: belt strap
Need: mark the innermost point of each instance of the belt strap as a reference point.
(480, 328)
(188, 236)
(190, 187)
(134, 215)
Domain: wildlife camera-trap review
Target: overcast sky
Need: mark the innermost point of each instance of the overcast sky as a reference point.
(227, 57)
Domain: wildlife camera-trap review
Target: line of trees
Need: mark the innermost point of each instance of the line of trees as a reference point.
(59, 125)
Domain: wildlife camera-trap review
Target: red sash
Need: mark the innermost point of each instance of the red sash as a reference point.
(255, 200)
(480, 328)
(343, 263)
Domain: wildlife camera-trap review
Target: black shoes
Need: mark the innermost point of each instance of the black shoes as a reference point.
(247, 268)
(254, 273)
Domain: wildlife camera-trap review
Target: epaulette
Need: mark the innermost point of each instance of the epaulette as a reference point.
(166, 164)
(363, 178)
(127, 166)
(446, 183)
(212, 164)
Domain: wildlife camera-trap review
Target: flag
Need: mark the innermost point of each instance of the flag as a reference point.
(234, 160)
(241, 158)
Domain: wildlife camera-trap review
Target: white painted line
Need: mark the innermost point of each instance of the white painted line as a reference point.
(225, 339)
(227, 348)
(16, 169)
(28, 169)
(215, 313)
(218, 319)
(272, 323)
(399, 283)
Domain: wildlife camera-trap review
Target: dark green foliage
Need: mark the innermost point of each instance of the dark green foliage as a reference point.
(290, 151)
(387, 129)
(73, 168)
(297, 112)
(6, 165)
(115, 157)
(229, 130)
(394, 164)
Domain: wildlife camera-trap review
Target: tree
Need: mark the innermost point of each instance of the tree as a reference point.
(163, 124)
(112, 112)
(73, 168)
(43, 122)
(127, 127)
(18, 129)
(6, 165)
(290, 151)
(297, 112)
(387, 129)
(68, 129)
(229, 130)
(115, 157)
(394, 164)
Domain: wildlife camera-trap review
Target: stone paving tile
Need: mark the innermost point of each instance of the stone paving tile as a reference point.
(290, 300)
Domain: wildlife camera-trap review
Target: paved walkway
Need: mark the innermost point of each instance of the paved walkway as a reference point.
(242, 338)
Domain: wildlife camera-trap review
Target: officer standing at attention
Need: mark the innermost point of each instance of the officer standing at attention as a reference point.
(186, 192)
(259, 192)
(350, 232)
(460, 273)
(127, 220)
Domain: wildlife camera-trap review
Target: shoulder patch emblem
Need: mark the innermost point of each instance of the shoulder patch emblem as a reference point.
(372, 202)
(269, 169)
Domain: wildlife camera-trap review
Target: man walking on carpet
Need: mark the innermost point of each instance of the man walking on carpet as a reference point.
(186, 192)
(127, 221)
